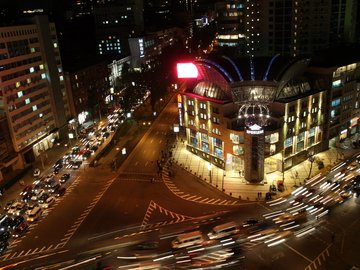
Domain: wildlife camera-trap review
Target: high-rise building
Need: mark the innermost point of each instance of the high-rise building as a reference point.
(32, 88)
(287, 27)
(115, 22)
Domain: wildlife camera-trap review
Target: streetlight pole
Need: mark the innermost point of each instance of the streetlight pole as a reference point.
(209, 168)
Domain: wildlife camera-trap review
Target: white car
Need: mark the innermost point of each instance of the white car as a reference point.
(37, 172)
(49, 201)
(13, 208)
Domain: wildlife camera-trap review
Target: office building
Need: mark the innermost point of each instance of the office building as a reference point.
(33, 95)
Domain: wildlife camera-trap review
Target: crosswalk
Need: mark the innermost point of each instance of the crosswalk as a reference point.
(191, 197)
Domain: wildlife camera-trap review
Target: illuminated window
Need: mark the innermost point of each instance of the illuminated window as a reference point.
(32, 70)
(55, 45)
(61, 78)
(17, 84)
(43, 76)
(20, 94)
(41, 66)
(27, 101)
(34, 108)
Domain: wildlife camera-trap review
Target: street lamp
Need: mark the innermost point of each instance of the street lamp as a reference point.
(209, 168)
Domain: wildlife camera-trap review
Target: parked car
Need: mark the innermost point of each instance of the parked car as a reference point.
(37, 172)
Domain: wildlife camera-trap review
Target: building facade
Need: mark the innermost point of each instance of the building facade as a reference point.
(89, 88)
(262, 115)
(288, 27)
(32, 87)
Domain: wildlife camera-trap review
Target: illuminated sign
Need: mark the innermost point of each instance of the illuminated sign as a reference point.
(255, 129)
(187, 70)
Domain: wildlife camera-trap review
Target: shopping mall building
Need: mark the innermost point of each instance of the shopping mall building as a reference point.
(266, 114)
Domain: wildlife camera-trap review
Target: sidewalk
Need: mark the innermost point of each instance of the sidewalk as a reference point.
(236, 186)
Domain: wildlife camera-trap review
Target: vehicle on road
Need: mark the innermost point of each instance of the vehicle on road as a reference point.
(34, 214)
(224, 230)
(187, 240)
(60, 192)
(64, 177)
(20, 230)
(49, 202)
(3, 246)
(250, 222)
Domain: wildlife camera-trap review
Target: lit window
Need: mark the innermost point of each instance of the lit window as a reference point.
(20, 94)
(61, 77)
(17, 84)
(27, 101)
(32, 70)
(41, 66)
(32, 50)
(34, 108)
(43, 76)
(55, 45)
(41, 115)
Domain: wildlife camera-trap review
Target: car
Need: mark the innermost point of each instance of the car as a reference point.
(37, 194)
(36, 172)
(20, 209)
(3, 246)
(18, 220)
(20, 230)
(37, 185)
(31, 206)
(60, 192)
(346, 195)
(250, 222)
(54, 188)
(26, 190)
(12, 208)
(94, 148)
(49, 202)
(56, 170)
(27, 197)
(64, 177)
(4, 235)
(352, 166)
(6, 223)
(77, 164)
(147, 245)
(86, 155)
(35, 214)
(8, 205)
(42, 199)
